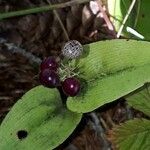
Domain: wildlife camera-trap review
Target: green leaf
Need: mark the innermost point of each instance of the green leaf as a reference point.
(111, 70)
(118, 11)
(143, 21)
(138, 18)
(140, 99)
(132, 135)
(39, 112)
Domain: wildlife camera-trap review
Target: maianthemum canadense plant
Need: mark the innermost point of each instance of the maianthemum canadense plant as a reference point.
(106, 70)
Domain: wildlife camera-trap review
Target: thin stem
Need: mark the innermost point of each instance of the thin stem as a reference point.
(125, 18)
(40, 9)
(138, 12)
(60, 22)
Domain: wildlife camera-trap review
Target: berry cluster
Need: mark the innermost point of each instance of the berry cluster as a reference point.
(49, 77)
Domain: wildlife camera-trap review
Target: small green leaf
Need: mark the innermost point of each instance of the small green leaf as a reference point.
(110, 70)
(140, 99)
(37, 121)
(132, 135)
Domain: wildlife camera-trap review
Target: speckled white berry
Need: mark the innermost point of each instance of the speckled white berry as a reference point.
(72, 49)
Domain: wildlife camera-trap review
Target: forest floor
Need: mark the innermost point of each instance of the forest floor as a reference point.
(43, 35)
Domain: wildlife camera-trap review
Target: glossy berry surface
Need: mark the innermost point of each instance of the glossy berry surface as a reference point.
(71, 86)
(49, 63)
(49, 78)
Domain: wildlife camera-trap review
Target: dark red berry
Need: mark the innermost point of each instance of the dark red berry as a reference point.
(49, 63)
(71, 86)
(49, 78)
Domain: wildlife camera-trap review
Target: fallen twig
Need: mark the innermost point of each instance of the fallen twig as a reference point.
(40, 9)
(96, 125)
(14, 49)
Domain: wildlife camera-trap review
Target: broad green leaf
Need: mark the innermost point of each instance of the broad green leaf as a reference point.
(111, 70)
(132, 135)
(47, 122)
(140, 99)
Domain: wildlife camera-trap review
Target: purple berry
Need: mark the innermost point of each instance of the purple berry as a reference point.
(49, 78)
(49, 63)
(71, 86)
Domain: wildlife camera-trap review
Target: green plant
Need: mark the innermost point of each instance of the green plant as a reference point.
(135, 134)
(38, 120)
(107, 69)
(138, 18)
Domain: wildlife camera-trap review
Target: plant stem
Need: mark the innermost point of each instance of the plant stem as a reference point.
(125, 18)
(40, 9)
